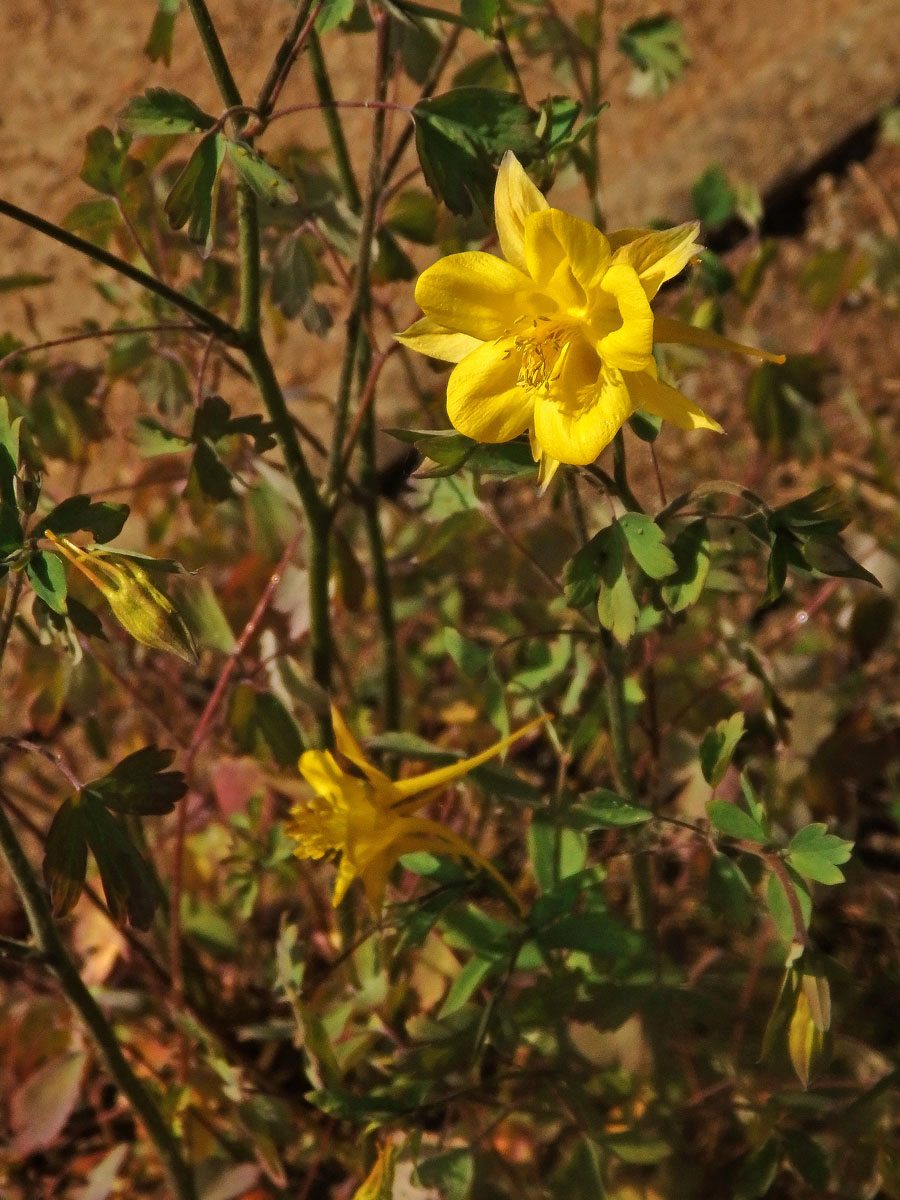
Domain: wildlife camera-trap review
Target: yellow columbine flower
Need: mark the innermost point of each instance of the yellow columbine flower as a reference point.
(558, 340)
(368, 821)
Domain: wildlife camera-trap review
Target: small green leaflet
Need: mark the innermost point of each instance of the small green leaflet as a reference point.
(816, 854)
(9, 453)
(691, 552)
(270, 185)
(332, 14)
(47, 576)
(658, 50)
(461, 137)
(159, 40)
(192, 200)
(718, 746)
(160, 112)
(734, 822)
(139, 784)
(713, 196)
(646, 542)
(102, 518)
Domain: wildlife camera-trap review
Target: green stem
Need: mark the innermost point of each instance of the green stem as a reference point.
(317, 517)
(620, 475)
(222, 329)
(283, 61)
(333, 123)
(10, 604)
(381, 578)
(361, 301)
(50, 944)
(215, 54)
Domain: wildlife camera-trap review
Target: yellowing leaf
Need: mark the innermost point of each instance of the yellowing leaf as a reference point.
(379, 1184)
(806, 1042)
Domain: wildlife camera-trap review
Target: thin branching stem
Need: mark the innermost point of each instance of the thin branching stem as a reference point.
(209, 320)
(332, 121)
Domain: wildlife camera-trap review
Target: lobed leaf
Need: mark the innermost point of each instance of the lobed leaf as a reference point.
(161, 111)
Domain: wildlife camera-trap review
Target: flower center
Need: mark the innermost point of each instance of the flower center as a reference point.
(541, 342)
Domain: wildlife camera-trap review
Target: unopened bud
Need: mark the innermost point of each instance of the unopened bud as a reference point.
(137, 603)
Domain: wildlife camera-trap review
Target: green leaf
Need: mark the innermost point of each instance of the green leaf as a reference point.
(461, 137)
(808, 1159)
(713, 196)
(616, 606)
(12, 537)
(605, 810)
(9, 454)
(278, 729)
(544, 856)
(480, 15)
(47, 576)
(471, 659)
(450, 1173)
(780, 907)
(65, 856)
(465, 985)
(160, 112)
(815, 853)
(691, 552)
(102, 518)
(192, 200)
(332, 14)
(734, 822)
(128, 884)
(104, 157)
(658, 50)
(413, 214)
(84, 620)
(140, 784)
(646, 541)
(160, 38)
(579, 1177)
(645, 426)
(718, 746)
(15, 283)
(445, 447)
(729, 894)
(270, 185)
(757, 1172)
(592, 932)
(95, 220)
(782, 403)
(828, 556)
(505, 460)
(294, 273)
(211, 474)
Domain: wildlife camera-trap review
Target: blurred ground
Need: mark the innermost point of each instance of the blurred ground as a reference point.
(772, 86)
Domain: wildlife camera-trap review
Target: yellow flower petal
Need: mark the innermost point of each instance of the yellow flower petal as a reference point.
(322, 773)
(629, 346)
(427, 337)
(422, 834)
(576, 434)
(484, 398)
(566, 256)
(515, 198)
(408, 788)
(347, 872)
(667, 402)
(667, 329)
(656, 256)
(473, 293)
(350, 748)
